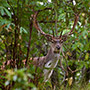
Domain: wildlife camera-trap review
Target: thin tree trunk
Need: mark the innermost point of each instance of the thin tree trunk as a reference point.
(29, 43)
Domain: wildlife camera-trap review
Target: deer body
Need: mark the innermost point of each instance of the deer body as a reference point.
(48, 62)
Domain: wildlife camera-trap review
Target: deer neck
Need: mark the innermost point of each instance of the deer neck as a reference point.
(51, 62)
(51, 56)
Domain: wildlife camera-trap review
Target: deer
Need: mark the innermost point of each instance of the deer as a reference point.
(50, 61)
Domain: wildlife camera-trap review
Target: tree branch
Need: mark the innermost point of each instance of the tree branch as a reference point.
(29, 43)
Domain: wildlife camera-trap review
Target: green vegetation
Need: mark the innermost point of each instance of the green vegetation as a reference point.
(19, 40)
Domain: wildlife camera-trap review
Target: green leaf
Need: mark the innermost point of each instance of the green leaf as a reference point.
(7, 83)
(87, 56)
(15, 77)
(8, 13)
(65, 31)
(23, 30)
(2, 12)
(6, 10)
(31, 85)
(61, 16)
(30, 75)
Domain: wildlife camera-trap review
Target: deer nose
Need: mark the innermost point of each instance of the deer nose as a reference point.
(58, 47)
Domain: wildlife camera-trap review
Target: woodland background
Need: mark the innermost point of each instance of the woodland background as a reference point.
(19, 40)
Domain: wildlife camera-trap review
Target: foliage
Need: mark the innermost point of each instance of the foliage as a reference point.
(19, 78)
(15, 30)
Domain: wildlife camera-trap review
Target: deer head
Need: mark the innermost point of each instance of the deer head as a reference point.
(56, 42)
(56, 45)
